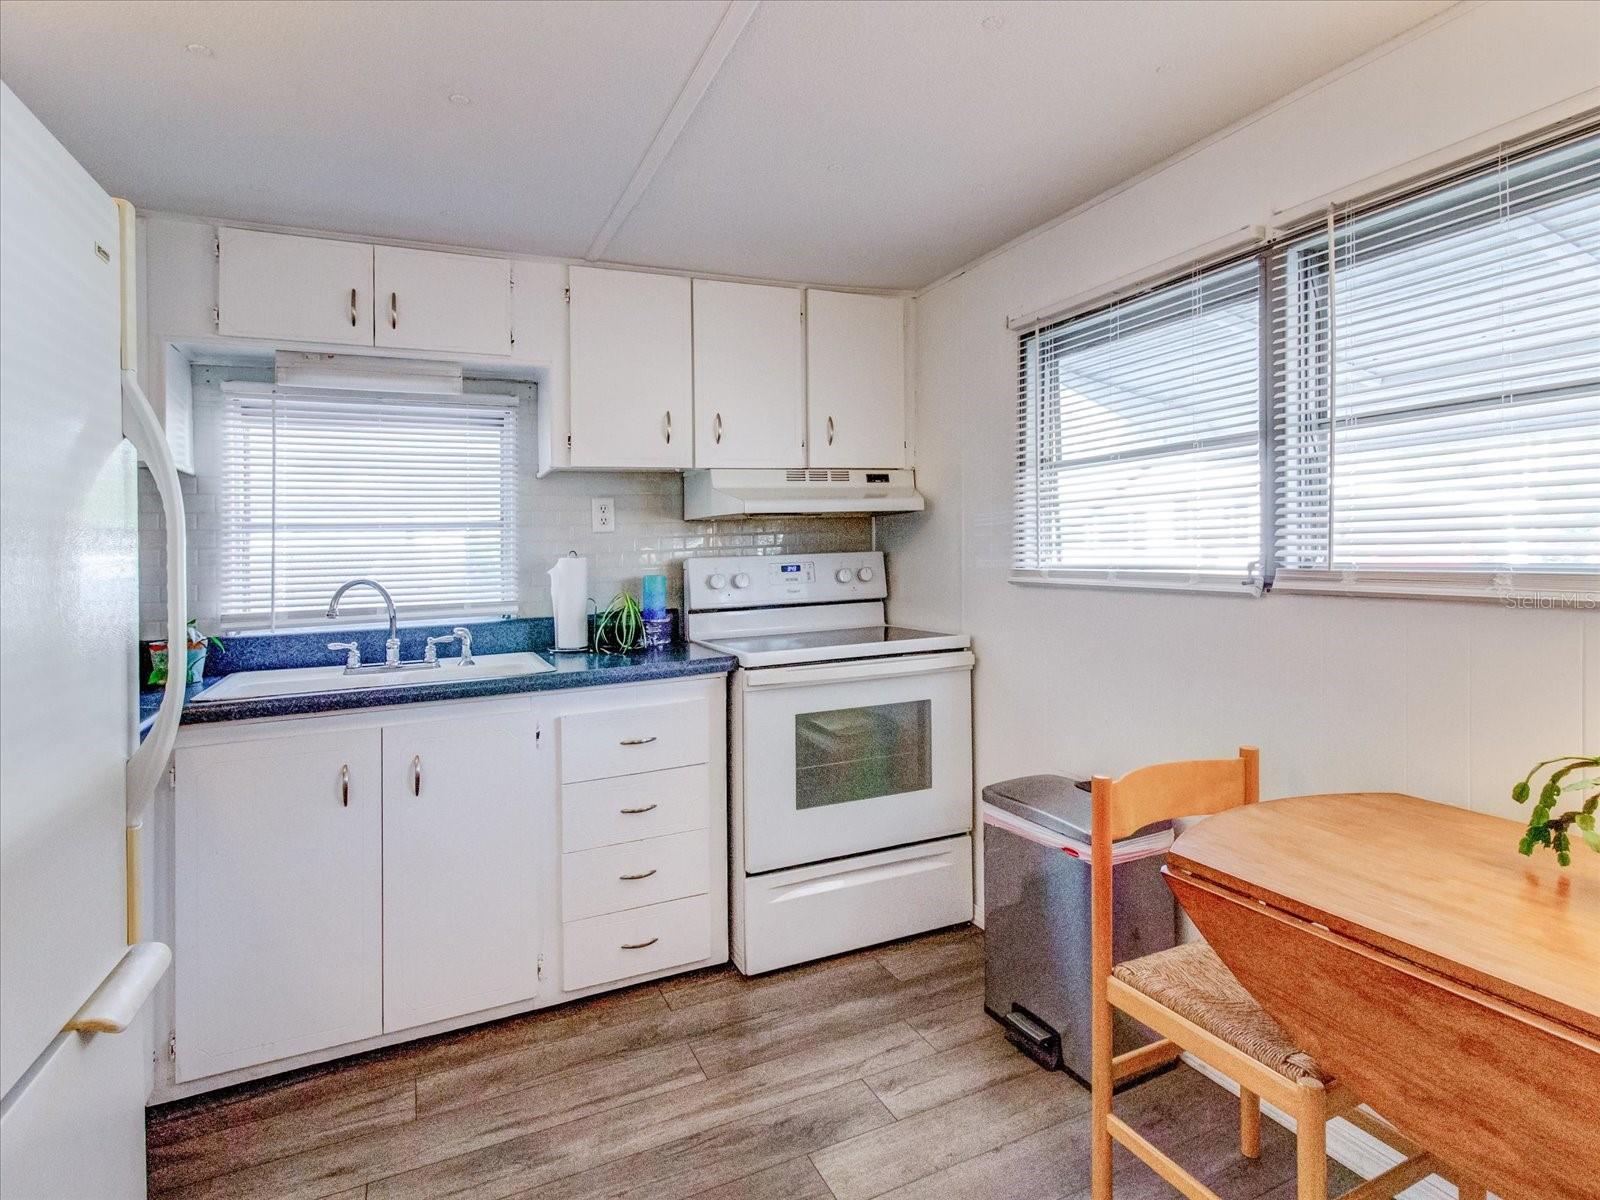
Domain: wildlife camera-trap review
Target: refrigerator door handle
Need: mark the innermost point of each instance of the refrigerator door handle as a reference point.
(141, 427)
(117, 1001)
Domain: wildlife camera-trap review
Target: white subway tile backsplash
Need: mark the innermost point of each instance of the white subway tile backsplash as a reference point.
(651, 537)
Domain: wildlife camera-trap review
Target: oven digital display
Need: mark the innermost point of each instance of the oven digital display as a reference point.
(789, 568)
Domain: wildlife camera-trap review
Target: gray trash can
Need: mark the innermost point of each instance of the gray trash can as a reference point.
(1037, 832)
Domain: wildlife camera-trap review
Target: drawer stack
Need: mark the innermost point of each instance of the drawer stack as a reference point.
(635, 841)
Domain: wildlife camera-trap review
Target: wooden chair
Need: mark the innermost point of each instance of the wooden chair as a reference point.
(1188, 997)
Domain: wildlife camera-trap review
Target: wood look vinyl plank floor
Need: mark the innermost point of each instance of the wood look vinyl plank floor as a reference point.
(875, 1074)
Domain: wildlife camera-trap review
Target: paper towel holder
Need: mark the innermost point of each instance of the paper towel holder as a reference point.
(589, 607)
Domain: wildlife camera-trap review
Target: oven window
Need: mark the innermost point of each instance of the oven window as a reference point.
(848, 754)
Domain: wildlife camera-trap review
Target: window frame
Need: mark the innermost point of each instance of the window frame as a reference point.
(362, 609)
(1284, 293)
(1027, 566)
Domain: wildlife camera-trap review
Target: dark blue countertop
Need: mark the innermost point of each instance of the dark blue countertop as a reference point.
(572, 670)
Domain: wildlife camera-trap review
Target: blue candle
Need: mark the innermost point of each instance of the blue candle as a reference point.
(655, 596)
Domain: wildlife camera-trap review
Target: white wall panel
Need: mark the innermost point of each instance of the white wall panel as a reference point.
(1447, 700)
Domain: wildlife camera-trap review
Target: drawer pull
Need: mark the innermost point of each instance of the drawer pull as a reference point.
(344, 785)
(644, 741)
(639, 945)
(640, 875)
(645, 809)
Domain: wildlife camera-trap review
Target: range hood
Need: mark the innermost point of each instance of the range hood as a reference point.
(796, 492)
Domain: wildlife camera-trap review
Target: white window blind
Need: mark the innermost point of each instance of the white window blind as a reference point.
(417, 492)
(1138, 456)
(1437, 389)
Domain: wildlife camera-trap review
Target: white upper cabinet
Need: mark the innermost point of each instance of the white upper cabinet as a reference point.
(454, 303)
(749, 375)
(462, 801)
(855, 380)
(630, 370)
(300, 289)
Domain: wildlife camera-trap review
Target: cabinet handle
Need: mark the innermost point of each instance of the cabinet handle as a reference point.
(644, 741)
(640, 945)
(352, 308)
(344, 785)
(416, 774)
(640, 875)
(394, 310)
(830, 431)
(645, 809)
(666, 427)
(716, 429)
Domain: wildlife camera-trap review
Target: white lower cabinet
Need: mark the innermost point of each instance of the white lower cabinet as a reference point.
(460, 860)
(278, 898)
(352, 880)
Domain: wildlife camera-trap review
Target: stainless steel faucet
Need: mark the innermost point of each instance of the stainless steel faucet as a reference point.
(391, 648)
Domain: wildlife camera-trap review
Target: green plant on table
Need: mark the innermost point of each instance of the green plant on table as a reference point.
(1545, 826)
(620, 627)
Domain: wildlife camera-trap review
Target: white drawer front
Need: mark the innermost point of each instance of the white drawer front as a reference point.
(626, 741)
(812, 912)
(634, 874)
(628, 808)
(624, 944)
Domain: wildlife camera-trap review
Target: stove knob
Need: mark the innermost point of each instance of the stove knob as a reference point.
(741, 580)
(865, 574)
(844, 574)
(717, 582)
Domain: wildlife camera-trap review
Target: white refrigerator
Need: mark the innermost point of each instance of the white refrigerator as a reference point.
(75, 1040)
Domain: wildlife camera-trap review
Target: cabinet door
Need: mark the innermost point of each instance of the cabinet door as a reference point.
(279, 898)
(749, 376)
(452, 302)
(855, 380)
(630, 370)
(460, 866)
(299, 289)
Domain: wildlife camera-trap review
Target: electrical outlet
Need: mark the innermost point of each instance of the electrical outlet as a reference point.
(605, 514)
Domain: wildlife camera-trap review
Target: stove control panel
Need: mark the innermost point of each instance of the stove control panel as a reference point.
(768, 580)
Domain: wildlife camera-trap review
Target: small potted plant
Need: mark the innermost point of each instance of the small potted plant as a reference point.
(195, 661)
(1548, 828)
(620, 628)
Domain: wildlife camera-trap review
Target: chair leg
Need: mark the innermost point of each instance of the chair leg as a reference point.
(1249, 1123)
(1100, 1082)
(1100, 1138)
(1311, 1145)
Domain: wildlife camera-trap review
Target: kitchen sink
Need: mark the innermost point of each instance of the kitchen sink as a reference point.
(262, 685)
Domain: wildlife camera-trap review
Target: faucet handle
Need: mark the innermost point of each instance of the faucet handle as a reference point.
(352, 654)
(464, 636)
(431, 654)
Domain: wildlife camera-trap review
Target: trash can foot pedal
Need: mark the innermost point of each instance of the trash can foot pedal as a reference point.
(1033, 1037)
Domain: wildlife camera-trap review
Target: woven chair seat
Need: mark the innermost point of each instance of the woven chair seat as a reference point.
(1193, 982)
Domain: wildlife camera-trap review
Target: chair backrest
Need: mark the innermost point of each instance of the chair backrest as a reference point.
(1166, 791)
(1162, 792)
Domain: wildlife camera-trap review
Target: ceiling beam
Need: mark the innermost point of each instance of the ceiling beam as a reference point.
(716, 53)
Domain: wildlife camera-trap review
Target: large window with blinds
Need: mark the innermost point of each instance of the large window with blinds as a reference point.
(417, 492)
(1138, 460)
(1437, 408)
(1407, 403)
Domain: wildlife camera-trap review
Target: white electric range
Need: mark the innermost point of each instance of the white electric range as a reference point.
(851, 756)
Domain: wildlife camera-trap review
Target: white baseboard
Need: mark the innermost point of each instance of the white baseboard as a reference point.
(1347, 1145)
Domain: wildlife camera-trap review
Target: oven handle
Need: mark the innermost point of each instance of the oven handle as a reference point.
(859, 670)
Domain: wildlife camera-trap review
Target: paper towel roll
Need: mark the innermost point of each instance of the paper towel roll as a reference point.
(569, 601)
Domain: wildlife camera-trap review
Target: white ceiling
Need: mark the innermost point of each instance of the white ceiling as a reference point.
(839, 141)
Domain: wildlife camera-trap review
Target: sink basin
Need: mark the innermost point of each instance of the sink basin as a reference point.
(262, 685)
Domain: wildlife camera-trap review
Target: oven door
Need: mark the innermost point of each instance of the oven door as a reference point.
(841, 758)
